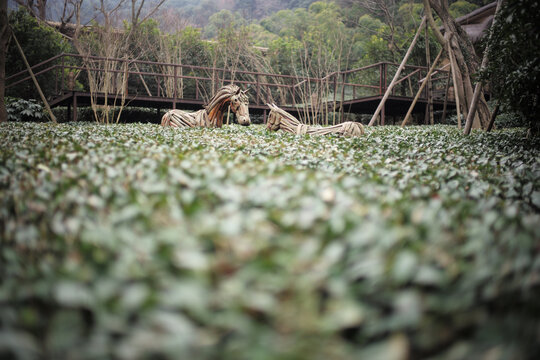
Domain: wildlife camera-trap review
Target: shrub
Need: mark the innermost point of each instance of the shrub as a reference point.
(514, 65)
(24, 110)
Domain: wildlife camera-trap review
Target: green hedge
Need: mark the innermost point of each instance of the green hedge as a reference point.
(137, 241)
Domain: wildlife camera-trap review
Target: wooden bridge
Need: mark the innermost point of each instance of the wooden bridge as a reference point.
(70, 79)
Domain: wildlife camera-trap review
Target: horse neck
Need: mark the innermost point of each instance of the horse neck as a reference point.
(215, 113)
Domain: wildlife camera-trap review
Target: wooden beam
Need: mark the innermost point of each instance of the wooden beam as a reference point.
(429, 92)
(74, 117)
(445, 98)
(454, 82)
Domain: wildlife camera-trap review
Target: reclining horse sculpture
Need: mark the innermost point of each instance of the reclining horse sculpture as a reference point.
(212, 114)
(280, 119)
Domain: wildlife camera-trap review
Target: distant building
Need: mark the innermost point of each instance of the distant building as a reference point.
(477, 22)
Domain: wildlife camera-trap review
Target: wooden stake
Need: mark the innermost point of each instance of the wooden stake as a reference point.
(445, 98)
(228, 113)
(53, 118)
(454, 81)
(429, 95)
(396, 76)
(421, 88)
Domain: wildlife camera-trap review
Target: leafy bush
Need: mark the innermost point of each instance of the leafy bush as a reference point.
(24, 110)
(138, 241)
(514, 64)
(510, 120)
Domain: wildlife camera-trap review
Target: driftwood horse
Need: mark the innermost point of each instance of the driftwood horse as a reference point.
(212, 114)
(279, 119)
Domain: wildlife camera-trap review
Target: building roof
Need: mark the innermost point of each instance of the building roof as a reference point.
(478, 21)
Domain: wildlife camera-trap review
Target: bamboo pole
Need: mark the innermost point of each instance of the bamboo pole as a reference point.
(479, 84)
(429, 92)
(398, 72)
(421, 88)
(445, 97)
(53, 118)
(454, 82)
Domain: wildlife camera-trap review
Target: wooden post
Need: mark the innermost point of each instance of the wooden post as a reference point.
(429, 92)
(174, 84)
(62, 76)
(335, 92)
(264, 116)
(478, 87)
(293, 87)
(398, 72)
(385, 72)
(228, 113)
(342, 109)
(74, 117)
(454, 81)
(53, 118)
(257, 97)
(443, 119)
(421, 88)
(380, 79)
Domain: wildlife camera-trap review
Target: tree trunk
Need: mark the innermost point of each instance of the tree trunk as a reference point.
(4, 31)
(465, 57)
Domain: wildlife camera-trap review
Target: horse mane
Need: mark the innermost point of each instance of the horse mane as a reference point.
(217, 103)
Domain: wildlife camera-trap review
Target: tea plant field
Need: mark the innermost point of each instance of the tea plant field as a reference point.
(137, 241)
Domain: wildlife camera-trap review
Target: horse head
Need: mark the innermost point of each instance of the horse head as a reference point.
(239, 105)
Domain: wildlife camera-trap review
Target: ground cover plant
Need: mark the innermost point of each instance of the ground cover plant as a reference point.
(137, 241)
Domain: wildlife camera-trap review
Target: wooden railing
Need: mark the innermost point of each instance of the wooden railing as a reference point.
(137, 78)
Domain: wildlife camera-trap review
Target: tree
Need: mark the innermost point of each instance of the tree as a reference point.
(513, 69)
(222, 20)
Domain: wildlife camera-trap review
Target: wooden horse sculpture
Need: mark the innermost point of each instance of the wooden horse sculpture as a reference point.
(280, 119)
(212, 114)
